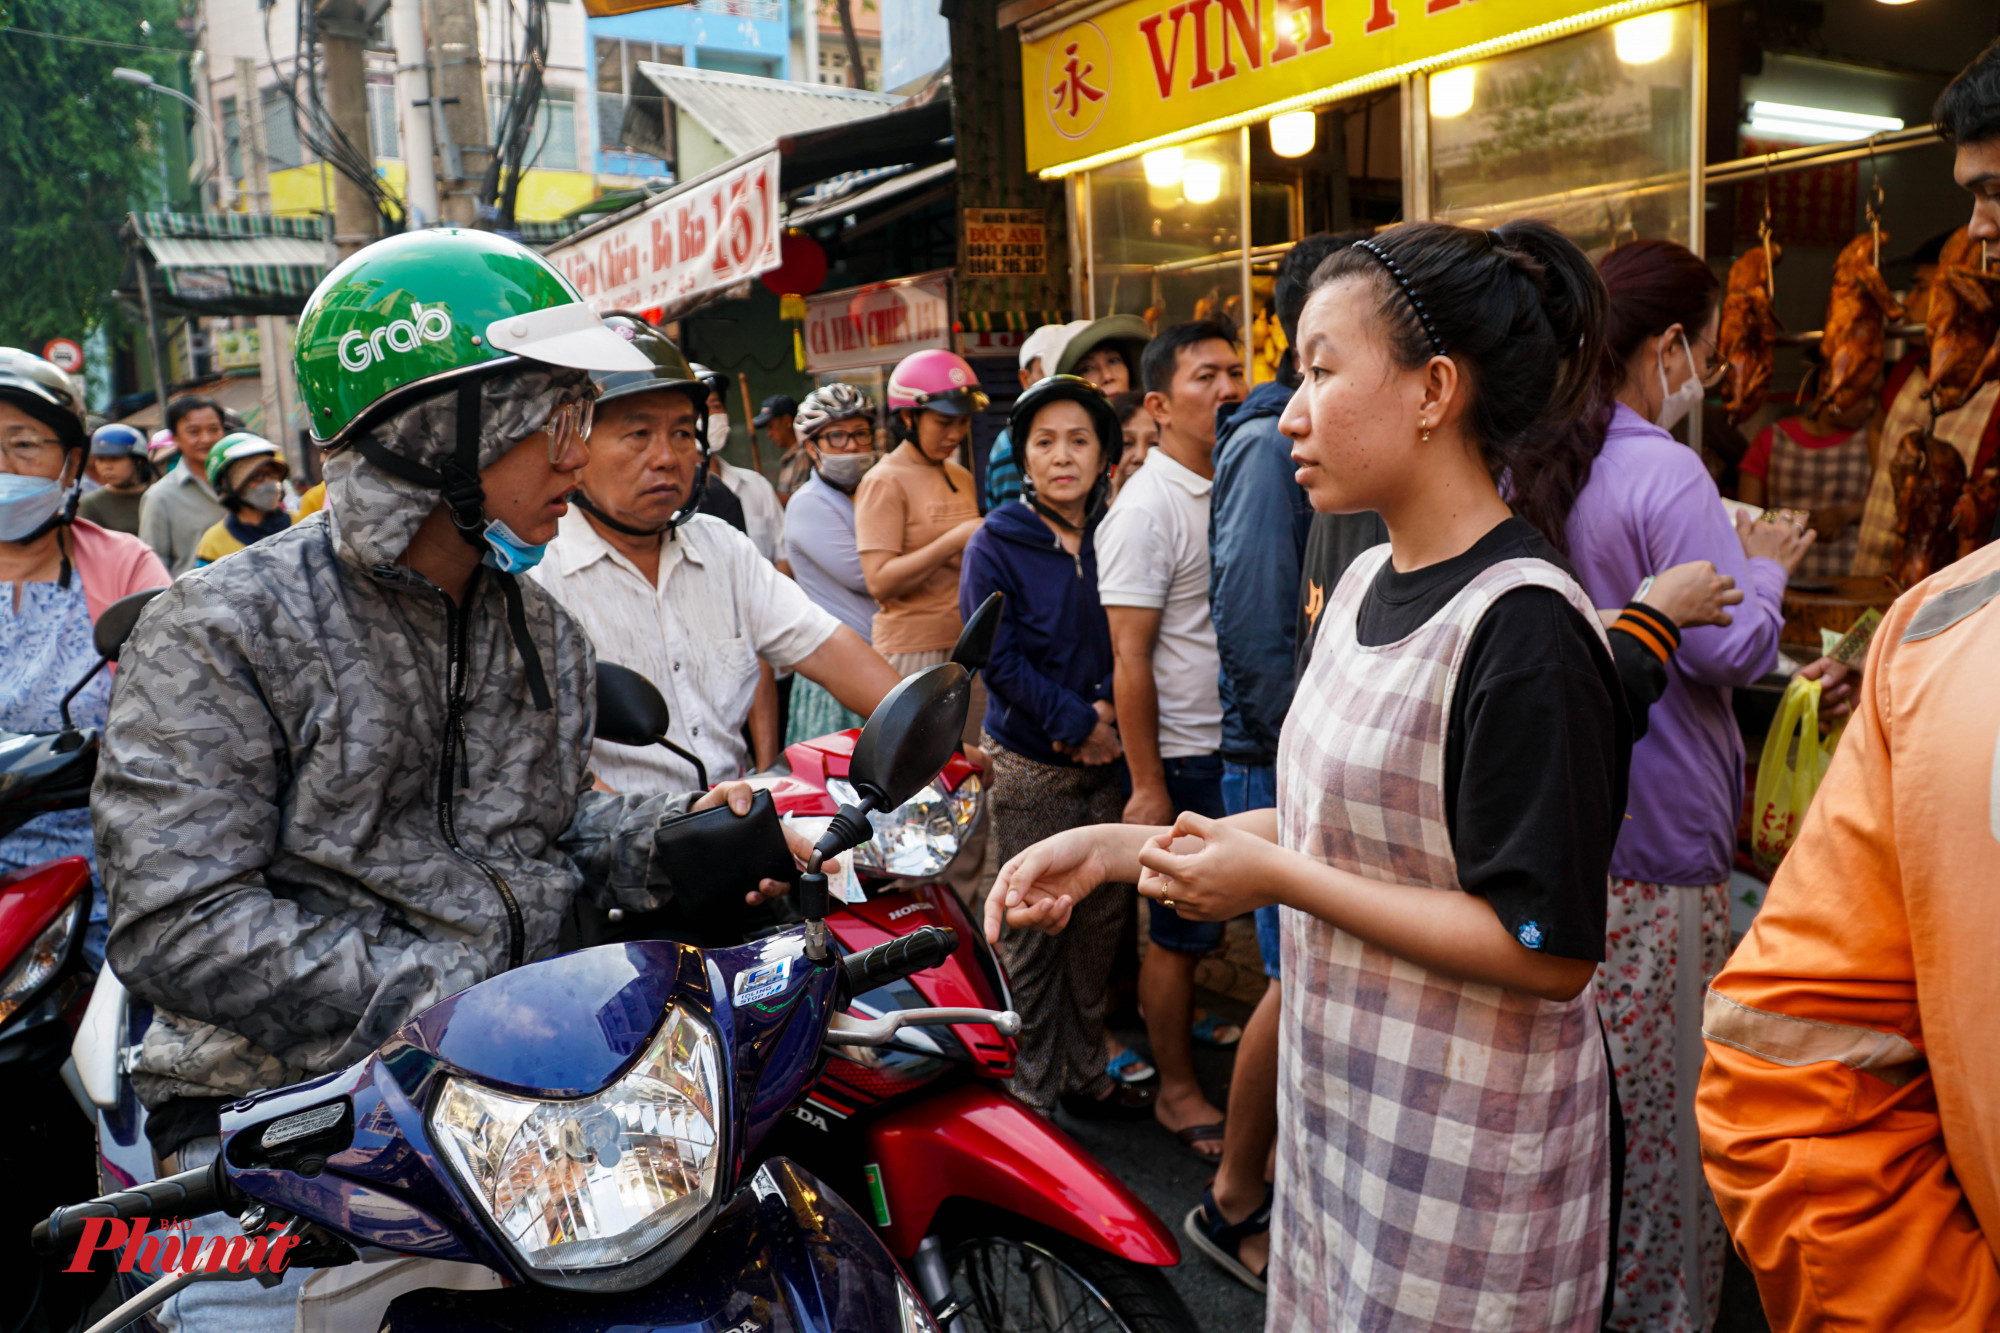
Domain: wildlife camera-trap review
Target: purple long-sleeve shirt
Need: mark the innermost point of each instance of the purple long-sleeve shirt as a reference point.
(1651, 505)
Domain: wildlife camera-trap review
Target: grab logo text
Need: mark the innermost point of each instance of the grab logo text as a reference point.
(172, 1249)
(359, 350)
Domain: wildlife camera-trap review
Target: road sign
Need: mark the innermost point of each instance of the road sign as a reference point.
(66, 354)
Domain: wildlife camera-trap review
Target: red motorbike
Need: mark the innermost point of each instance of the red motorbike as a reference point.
(1001, 1219)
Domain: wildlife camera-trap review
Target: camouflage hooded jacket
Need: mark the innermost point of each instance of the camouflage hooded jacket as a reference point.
(298, 856)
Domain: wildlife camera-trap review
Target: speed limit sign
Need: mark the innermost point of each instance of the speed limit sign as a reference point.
(65, 354)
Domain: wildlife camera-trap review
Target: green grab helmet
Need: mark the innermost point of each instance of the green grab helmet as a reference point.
(411, 313)
(233, 449)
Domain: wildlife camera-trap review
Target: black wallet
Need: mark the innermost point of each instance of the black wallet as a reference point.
(714, 857)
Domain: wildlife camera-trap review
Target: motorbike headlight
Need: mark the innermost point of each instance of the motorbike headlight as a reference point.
(916, 1315)
(38, 962)
(916, 839)
(603, 1180)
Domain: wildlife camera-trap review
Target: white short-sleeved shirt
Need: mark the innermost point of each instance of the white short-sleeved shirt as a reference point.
(763, 516)
(1152, 551)
(718, 606)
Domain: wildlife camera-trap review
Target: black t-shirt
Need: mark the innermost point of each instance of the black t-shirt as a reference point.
(1332, 543)
(1537, 744)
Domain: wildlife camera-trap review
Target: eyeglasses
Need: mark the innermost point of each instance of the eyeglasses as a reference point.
(569, 425)
(841, 441)
(30, 453)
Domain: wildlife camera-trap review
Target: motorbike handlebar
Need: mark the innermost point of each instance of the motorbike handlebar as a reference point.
(191, 1194)
(906, 955)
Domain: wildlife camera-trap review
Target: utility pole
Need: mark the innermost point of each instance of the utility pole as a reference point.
(413, 103)
(274, 351)
(461, 89)
(342, 38)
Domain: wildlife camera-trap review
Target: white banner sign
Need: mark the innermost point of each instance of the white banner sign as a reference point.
(700, 239)
(877, 325)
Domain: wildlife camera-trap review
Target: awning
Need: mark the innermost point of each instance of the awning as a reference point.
(747, 114)
(241, 394)
(938, 177)
(225, 263)
(918, 134)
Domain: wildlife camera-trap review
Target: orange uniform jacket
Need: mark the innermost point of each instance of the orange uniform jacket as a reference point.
(1850, 1107)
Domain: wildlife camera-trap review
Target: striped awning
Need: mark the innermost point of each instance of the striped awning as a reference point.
(227, 263)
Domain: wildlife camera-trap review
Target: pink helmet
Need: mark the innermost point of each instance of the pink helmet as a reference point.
(160, 445)
(937, 381)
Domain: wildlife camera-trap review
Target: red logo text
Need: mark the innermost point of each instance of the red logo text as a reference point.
(144, 1250)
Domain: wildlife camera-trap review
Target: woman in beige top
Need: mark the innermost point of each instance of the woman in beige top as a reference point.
(916, 509)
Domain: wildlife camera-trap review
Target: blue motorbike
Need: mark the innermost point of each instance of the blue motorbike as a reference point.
(587, 1127)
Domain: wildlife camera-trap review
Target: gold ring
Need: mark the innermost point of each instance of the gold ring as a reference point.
(1167, 903)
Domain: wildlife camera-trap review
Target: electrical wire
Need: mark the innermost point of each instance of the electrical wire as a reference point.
(316, 127)
(500, 189)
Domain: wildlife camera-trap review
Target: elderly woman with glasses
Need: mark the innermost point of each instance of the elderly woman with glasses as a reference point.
(57, 574)
(835, 426)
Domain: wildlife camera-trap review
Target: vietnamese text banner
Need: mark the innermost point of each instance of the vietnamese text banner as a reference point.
(1152, 68)
(705, 237)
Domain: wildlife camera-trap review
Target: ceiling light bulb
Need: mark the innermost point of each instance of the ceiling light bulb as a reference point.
(1293, 134)
(1819, 124)
(1163, 167)
(1201, 182)
(1451, 92)
(1643, 40)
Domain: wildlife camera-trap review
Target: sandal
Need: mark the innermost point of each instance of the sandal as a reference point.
(1222, 1241)
(1194, 1134)
(1217, 1032)
(1129, 1067)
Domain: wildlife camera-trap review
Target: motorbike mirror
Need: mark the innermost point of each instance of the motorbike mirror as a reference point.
(911, 735)
(630, 710)
(115, 625)
(975, 641)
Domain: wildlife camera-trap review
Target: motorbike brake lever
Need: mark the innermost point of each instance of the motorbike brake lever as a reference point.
(847, 1030)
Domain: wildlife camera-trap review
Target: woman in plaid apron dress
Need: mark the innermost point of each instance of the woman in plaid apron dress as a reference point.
(1450, 780)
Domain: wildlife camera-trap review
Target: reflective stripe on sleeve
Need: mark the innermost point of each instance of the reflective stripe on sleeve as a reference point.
(1788, 1041)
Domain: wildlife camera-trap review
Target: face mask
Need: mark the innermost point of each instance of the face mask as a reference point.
(843, 472)
(25, 504)
(718, 432)
(508, 553)
(264, 495)
(1677, 403)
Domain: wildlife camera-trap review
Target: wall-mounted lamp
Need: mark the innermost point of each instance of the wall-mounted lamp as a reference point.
(1294, 133)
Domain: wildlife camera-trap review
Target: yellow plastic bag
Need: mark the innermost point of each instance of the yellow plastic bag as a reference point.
(1789, 773)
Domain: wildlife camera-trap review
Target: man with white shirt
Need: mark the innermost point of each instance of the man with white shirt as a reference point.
(1152, 577)
(682, 598)
(763, 515)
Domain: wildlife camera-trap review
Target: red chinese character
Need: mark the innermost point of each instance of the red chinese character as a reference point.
(1074, 88)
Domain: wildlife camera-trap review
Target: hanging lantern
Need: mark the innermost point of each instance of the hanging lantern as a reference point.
(801, 266)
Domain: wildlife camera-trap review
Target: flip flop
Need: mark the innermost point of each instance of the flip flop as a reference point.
(1194, 1134)
(1217, 1032)
(1128, 1067)
(1222, 1241)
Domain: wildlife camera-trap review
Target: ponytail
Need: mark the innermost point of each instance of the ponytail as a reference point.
(1522, 313)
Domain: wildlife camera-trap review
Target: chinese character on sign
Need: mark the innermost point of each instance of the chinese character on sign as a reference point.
(1078, 82)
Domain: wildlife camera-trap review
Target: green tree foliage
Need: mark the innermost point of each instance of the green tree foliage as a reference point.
(77, 152)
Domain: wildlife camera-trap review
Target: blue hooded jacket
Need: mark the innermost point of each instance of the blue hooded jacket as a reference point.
(1257, 524)
(1052, 655)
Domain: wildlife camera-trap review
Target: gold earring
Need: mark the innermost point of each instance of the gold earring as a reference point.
(1424, 431)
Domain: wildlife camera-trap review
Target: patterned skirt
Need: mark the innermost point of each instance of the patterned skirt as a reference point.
(1059, 981)
(1663, 945)
(815, 713)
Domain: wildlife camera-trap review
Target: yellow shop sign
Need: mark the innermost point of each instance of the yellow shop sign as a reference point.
(1148, 73)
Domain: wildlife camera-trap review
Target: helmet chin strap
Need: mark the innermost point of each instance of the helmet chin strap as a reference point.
(62, 518)
(668, 530)
(458, 481)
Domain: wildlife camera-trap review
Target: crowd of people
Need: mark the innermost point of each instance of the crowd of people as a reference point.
(1419, 656)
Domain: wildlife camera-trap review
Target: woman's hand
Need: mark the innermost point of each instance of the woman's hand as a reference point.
(1037, 888)
(1783, 539)
(1099, 747)
(1208, 870)
(1694, 594)
(737, 796)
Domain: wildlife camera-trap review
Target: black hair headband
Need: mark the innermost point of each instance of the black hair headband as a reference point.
(1409, 293)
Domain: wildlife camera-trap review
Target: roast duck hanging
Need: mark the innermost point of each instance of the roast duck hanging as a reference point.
(1748, 338)
(1962, 317)
(1857, 313)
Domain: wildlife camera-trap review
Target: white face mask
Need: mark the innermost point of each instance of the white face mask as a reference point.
(1676, 403)
(265, 495)
(718, 431)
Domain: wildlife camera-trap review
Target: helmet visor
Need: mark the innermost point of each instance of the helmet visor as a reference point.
(566, 335)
